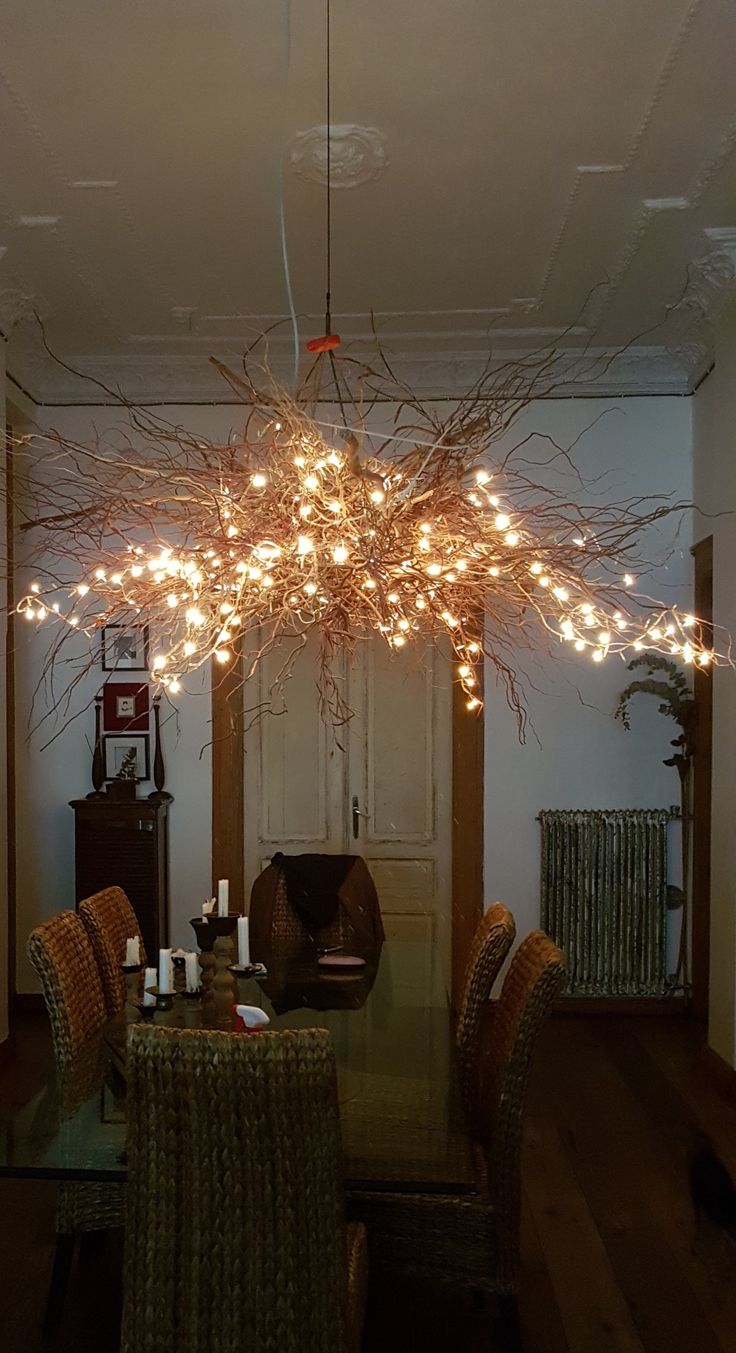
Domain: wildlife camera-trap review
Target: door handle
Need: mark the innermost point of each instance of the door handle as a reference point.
(357, 815)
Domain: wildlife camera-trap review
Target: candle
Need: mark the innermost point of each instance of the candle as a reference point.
(149, 981)
(132, 951)
(165, 971)
(243, 942)
(208, 906)
(223, 896)
(191, 967)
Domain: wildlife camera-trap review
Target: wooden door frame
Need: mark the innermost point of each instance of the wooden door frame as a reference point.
(467, 799)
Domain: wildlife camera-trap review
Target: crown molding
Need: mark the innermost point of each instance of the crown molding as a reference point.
(191, 379)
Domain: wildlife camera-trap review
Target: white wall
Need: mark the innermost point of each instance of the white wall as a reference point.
(576, 755)
(585, 759)
(715, 492)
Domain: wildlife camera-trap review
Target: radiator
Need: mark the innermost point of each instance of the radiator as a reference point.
(604, 881)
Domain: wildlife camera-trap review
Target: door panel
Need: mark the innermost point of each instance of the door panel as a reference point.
(398, 699)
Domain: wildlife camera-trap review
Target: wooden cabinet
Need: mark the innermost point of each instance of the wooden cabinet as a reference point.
(126, 844)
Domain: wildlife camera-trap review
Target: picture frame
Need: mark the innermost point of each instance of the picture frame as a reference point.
(126, 707)
(115, 748)
(125, 648)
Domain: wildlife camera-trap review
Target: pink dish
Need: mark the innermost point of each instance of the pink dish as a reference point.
(340, 961)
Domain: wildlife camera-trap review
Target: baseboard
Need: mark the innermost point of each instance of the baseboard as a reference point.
(621, 1005)
(27, 1003)
(719, 1072)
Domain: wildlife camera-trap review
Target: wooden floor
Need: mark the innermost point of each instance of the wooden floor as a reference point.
(614, 1260)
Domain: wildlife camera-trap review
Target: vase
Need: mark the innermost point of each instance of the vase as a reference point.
(159, 770)
(98, 763)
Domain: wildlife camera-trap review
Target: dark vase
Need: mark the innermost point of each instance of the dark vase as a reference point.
(122, 790)
(159, 770)
(98, 764)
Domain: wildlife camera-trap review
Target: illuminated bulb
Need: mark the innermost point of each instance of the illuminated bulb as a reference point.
(689, 620)
(544, 581)
(259, 481)
(194, 617)
(255, 573)
(34, 587)
(493, 501)
(424, 544)
(579, 645)
(83, 589)
(73, 619)
(703, 658)
(56, 607)
(561, 593)
(377, 496)
(434, 570)
(472, 702)
(512, 537)
(293, 601)
(425, 528)
(172, 601)
(311, 482)
(222, 654)
(399, 641)
(99, 573)
(669, 630)
(464, 670)
(578, 540)
(41, 612)
(300, 462)
(226, 608)
(335, 507)
(334, 459)
(175, 686)
(369, 584)
(461, 565)
(304, 545)
(473, 648)
(231, 531)
(597, 655)
(267, 580)
(136, 570)
(628, 580)
(189, 648)
(450, 577)
(621, 623)
(393, 597)
(403, 624)
(305, 510)
(420, 603)
(157, 577)
(604, 638)
(310, 589)
(656, 634)
(502, 522)
(535, 568)
(638, 646)
(590, 621)
(482, 476)
(158, 662)
(586, 608)
(687, 652)
(567, 629)
(494, 570)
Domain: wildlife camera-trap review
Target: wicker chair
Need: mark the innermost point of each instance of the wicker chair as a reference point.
(62, 956)
(280, 926)
(109, 921)
(491, 943)
(473, 1241)
(235, 1235)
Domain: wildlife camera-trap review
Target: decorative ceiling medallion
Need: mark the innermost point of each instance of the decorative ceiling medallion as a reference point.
(357, 154)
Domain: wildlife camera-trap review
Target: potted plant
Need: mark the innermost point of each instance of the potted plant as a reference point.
(125, 783)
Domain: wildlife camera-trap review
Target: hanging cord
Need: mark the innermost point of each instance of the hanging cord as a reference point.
(328, 214)
(282, 212)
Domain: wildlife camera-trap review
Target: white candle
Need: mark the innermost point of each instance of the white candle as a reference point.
(165, 971)
(207, 906)
(243, 942)
(191, 967)
(132, 951)
(223, 896)
(149, 981)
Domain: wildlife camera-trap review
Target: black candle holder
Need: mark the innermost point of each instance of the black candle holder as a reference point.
(250, 969)
(205, 936)
(164, 999)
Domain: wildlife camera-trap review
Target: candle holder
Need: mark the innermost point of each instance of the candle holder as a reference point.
(164, 999)
(132, 973)
(205, 936)
(222, 926)
(250, 969)
(191, 995)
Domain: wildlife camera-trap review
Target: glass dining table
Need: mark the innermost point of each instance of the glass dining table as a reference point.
(402, 1116)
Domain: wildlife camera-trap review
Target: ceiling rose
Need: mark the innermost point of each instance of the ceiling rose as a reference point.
(357, 154)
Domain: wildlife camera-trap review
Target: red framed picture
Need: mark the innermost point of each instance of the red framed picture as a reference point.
(125, 707)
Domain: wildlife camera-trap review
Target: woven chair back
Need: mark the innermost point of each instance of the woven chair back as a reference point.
(491, 943)
(235, 1233)
(109, 921)
(287, 928)
(62, 955)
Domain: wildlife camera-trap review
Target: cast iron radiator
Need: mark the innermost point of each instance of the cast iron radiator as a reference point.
(604, 892)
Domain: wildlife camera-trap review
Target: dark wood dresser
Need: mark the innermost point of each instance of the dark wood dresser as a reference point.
(126, 844)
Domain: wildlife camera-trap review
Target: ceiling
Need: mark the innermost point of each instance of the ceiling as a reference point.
(552, 172)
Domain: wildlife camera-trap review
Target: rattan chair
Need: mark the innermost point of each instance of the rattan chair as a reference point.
(473, 1241)
(62, 955)
(236, 1237)
(109, 921)
(275, 922)
(491, 943)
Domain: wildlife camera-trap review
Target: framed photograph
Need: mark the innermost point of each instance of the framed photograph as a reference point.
(125, 707)
(125, 648)
(118, 748)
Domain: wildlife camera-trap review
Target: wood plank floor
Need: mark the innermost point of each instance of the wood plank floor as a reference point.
(614, 1259)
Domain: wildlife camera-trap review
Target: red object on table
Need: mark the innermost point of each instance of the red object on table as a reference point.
(325, 343)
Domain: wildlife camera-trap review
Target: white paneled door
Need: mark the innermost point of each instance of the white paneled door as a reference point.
(379, 787)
